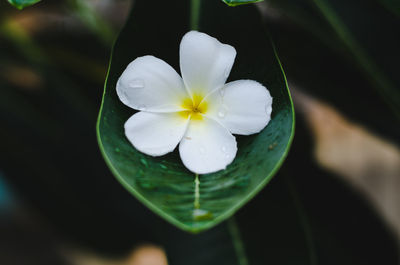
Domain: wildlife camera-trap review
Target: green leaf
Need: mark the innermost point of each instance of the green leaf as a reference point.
(240, 2)
(342, 25)
(391, 5)
(21, 4)
(164, 184)
(360, 45)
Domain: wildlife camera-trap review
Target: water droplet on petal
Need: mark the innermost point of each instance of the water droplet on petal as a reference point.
(222, 112)
(202, 150)
(223, 149)
(227, 156)
(136, 83)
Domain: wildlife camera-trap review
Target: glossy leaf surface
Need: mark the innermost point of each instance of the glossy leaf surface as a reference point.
(164, 184)
(21, 4)
(240, 2)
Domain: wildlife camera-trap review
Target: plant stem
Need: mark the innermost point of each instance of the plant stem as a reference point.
(194, 14)
(237, 242)
(197, 192)
(304, 222)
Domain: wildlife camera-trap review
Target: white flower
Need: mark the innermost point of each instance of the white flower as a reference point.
(198, 111)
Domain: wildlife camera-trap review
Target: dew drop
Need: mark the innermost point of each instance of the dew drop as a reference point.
(136, 83)
(222, 112)
(144, 162)
(146, 185)
(117, 150)
(227, 156)
(199, 215)
(223, 149)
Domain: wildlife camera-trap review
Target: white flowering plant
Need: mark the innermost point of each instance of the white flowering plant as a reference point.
(196, 146)
(198, 111)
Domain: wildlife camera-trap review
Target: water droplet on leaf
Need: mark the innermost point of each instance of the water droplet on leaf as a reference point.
(144, 162)
(199, 215)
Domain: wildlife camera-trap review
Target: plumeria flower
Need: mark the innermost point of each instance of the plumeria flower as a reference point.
(198, 111)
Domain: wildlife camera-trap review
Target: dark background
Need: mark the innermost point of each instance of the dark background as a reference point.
(59, 204)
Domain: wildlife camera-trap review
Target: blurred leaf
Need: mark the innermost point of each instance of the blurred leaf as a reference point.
(392, 5)
(348, 89)
(240, 2)
(164, 184)
(301, 218)
(34, 53)
(21, 4)
(363, 31)
(92, 20)
(352, 34)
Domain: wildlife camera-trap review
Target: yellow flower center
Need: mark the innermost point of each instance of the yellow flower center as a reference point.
(194, 106)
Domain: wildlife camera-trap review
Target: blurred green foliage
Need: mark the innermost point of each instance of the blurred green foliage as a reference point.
(21, 4)
(240, 2)
(363, 32)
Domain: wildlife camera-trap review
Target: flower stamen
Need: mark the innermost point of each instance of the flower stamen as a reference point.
(195, 107)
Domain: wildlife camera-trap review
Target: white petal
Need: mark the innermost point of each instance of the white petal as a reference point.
(207, 147)
(205, 62)
(155, 134)
(243, 106)
(150, 84)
